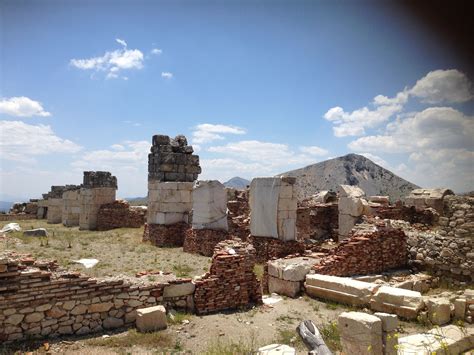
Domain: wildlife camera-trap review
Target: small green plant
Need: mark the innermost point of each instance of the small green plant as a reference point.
(178, 317)
(243, 346)
(332, 305)
(182, 270)
(331, 336)
(289, 337)
(258, 271)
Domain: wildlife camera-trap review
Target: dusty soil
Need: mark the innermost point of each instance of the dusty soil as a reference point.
(119, 251)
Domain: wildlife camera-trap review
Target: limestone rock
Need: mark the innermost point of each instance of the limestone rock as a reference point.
(361, 333)
(151, 319)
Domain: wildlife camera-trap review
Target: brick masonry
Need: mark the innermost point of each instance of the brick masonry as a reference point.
(318, 222)
(203, 241)
(39, 301)
(119, 214)
(231, 282)
(373, 248)
(271, 248)
(161, 235)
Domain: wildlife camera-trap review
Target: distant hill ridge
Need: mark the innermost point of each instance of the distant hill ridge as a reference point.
(237, 183)
(350, 169)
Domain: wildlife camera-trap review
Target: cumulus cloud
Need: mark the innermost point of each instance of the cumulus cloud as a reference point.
(166, 75)
(22, 107)
(20, 141)
(439, 86)
(112, 62)
(314, 150)
(207, 132)
(126, 160)
(443, 86)
(439, 142)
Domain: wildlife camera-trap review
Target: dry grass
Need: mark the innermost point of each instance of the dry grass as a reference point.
(163, 341)
(119, 251)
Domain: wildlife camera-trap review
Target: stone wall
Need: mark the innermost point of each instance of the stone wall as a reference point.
(172, 160)
(458, 217)
(71, 208)
(231, 282)
(90, 200)
(42, 209)
(422, 199)
(428, 217)
(370, 249)
(203, 241)
(55, 210)
(93, 179)
(119, 214)
(38, 301)
(318, 222)
(273, 207)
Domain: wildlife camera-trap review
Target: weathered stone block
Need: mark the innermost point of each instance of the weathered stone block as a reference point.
(283, 287)
(151, 319)
(361, 333)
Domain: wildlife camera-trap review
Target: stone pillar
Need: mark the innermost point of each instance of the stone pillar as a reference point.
(71, 206)
(55, 204)
(172, 169)
(352, 205)
(42, 209)
(99, 188)
(273, 207)
(361, 333)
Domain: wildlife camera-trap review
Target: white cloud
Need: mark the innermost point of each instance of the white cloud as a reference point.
(22, 107)
(314, 150)
(156, 51)
(20, 141)
(166, 75)
(112, 62)
(443, 86)
(121, 41)
(439, 143)
(126, 160)
(207, 132)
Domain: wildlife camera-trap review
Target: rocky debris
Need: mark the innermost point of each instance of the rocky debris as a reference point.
(425, 198)
(231, 282)
(151, 319)
(404, 303)
(439, 310)
(38, 232)
(94, 179)
(372, 248)
(449, 339)
(172, 160)
(29, 208)
(361, 333)
(119, 214)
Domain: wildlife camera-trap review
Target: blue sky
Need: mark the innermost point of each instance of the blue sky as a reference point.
(258, 87)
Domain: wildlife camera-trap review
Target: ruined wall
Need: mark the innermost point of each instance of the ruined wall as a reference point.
(428, 217)
(119, 214)
(99, 188)
(447, 251)
(55, 204)
(273, 207)
(422, 199)
(270, 248)
(71, 209)
(352, 205)
(172, 168)
(230, 283)
(371, 249)
(318, 222)
(37, 302)
(42, 209)
(238, 217)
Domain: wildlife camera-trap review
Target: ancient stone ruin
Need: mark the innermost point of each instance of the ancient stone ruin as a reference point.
(98, 188)
(172, 168)
(71, 208)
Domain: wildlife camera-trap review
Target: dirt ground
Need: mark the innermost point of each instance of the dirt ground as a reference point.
(121, 251)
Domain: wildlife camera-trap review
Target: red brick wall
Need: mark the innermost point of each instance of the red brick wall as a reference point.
(119, 214)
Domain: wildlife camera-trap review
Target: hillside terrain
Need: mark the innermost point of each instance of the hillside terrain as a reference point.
(351, 169)
(237, 183)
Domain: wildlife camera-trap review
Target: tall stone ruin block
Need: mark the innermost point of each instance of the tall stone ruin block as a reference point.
(273, 206)
(428, 198)
(99, 188)
(361, 333)
(209, 222)
(352, 205)
(55, 204)
(71, 206)
(172, 169)
(42, 211)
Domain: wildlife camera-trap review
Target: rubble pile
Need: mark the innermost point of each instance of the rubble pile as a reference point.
(231, 282)
(370, 249)
(29, 208)
(172, 160)
(119, 214)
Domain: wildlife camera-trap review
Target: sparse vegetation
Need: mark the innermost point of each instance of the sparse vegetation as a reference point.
(156, 340)
(331, 336)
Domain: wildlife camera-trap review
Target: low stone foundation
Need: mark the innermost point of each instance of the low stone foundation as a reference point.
(119, 214)
(38, 301)
(271, 248)
(231, 282)
(203, 241)
(372, 249)
(165, 235)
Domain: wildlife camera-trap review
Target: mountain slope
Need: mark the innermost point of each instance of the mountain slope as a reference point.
(351, 169)
(237, 183)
